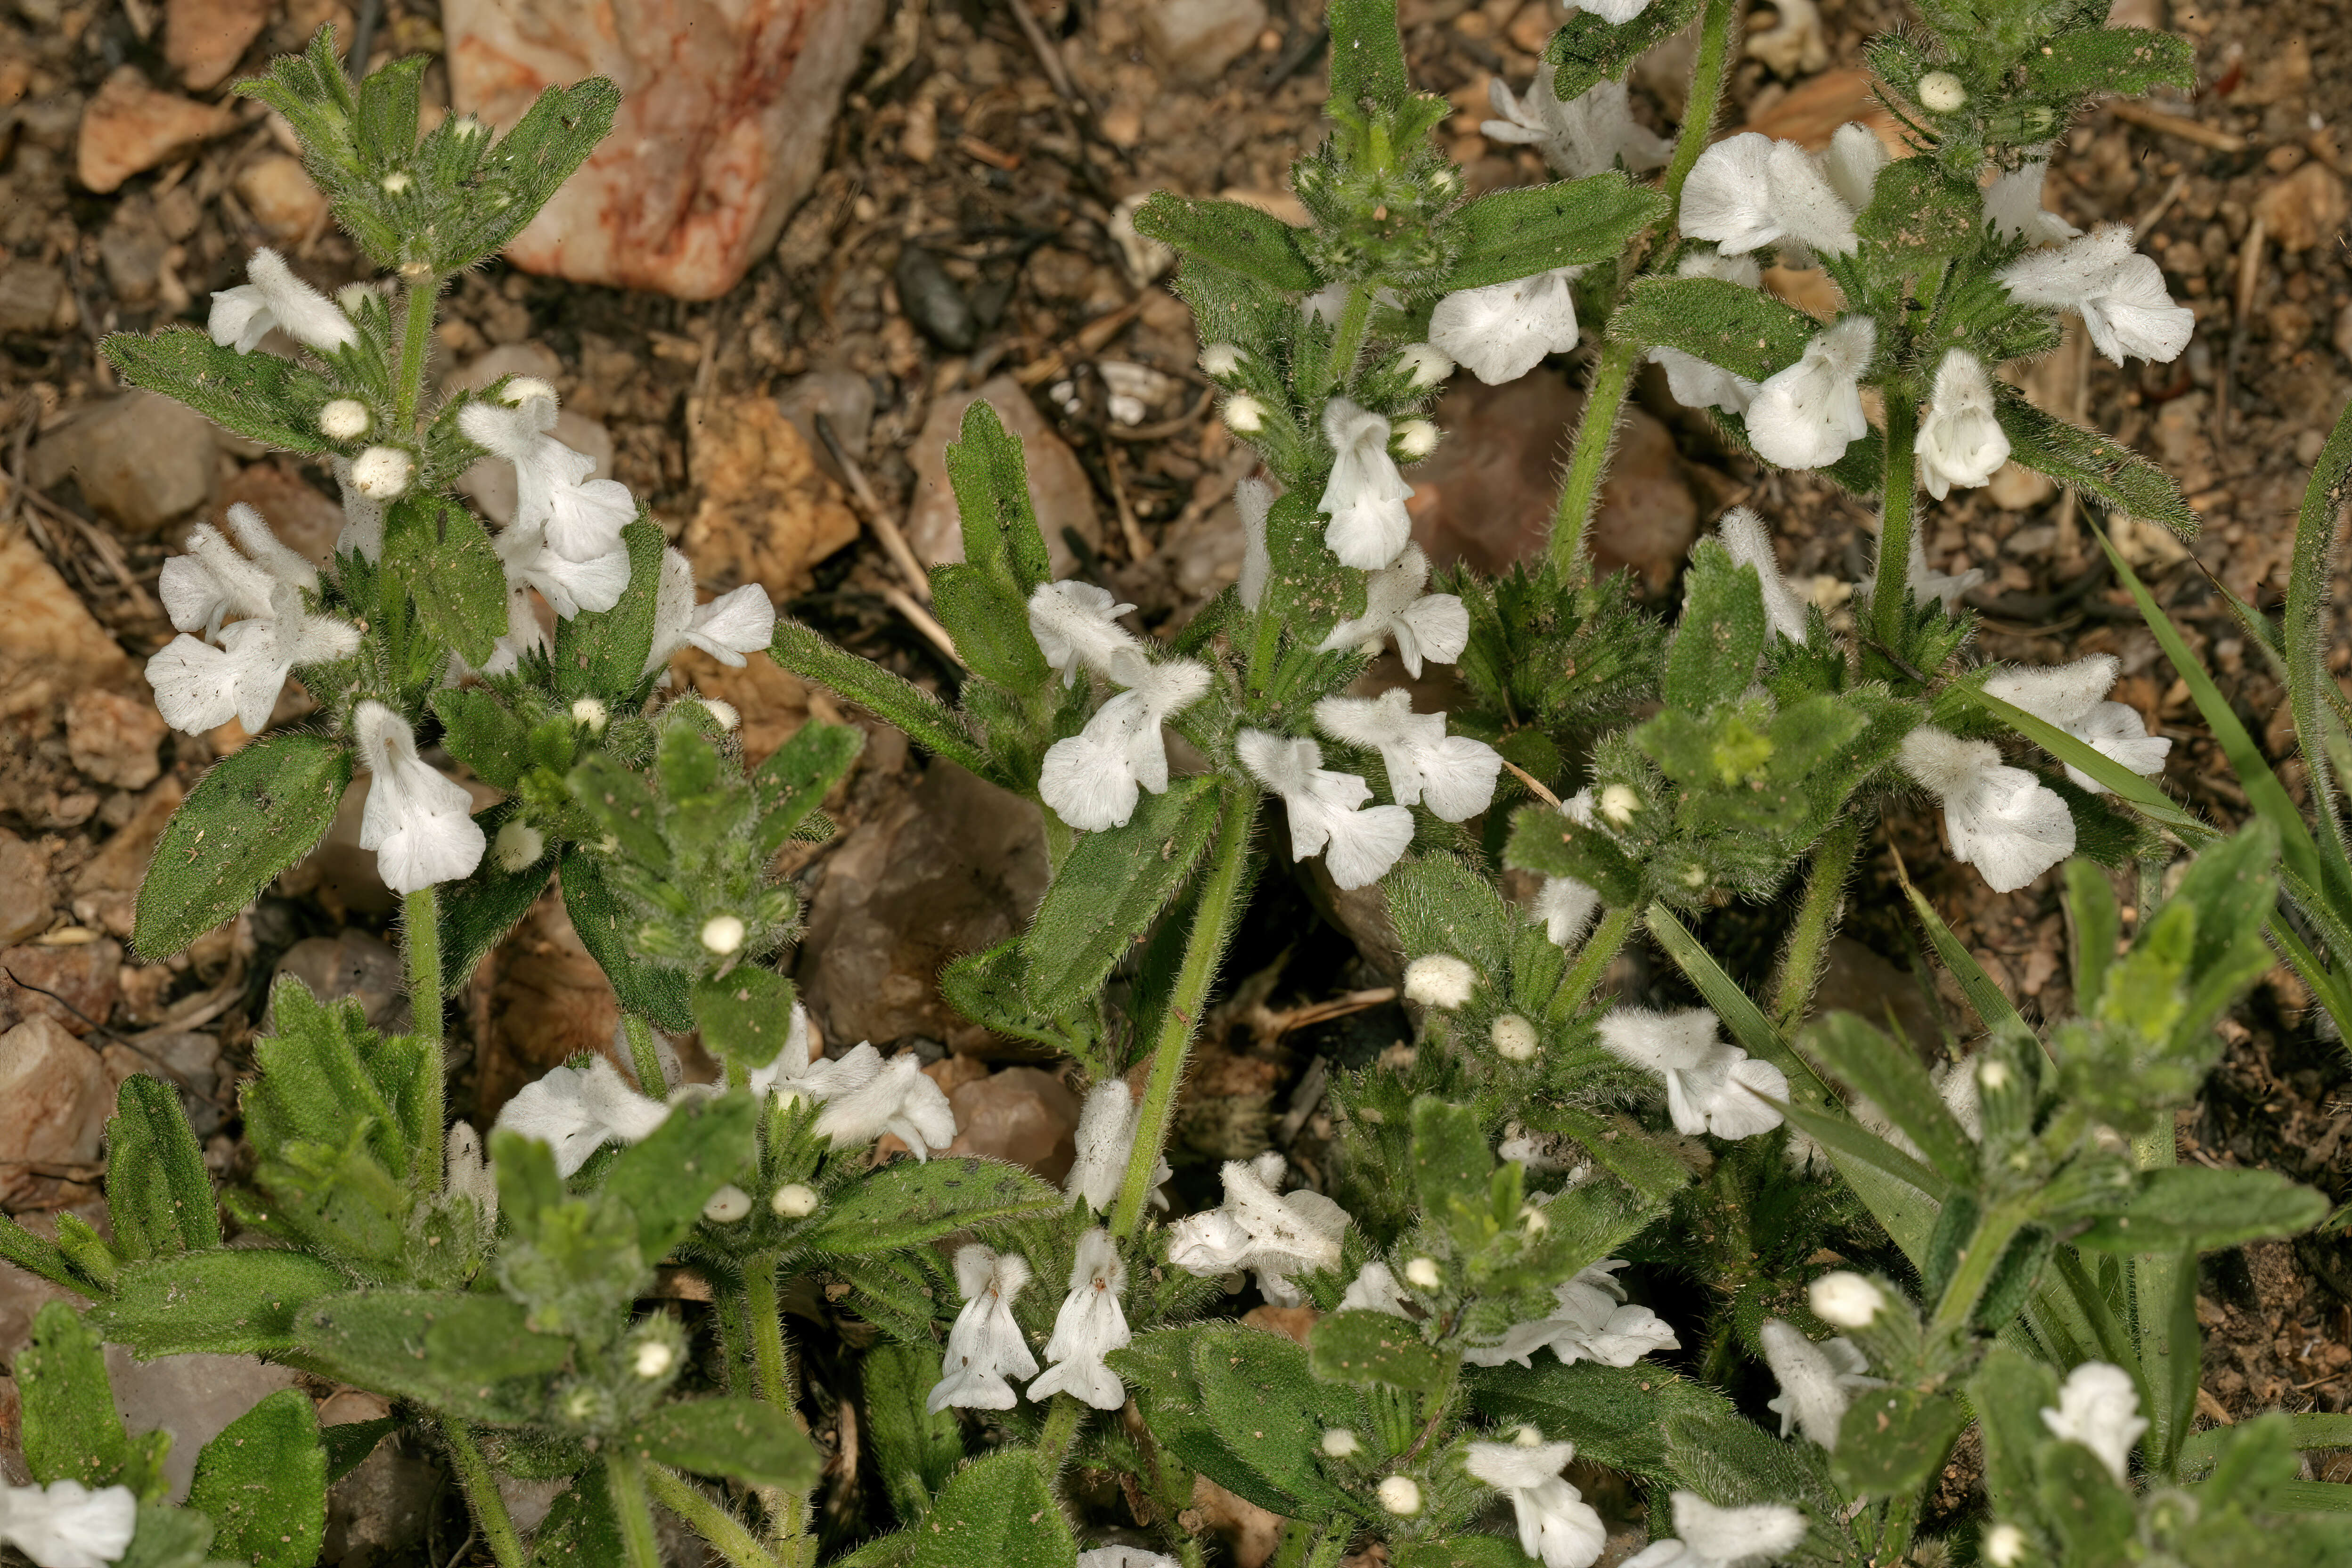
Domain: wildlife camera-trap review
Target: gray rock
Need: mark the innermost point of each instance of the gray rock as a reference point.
(132, 249)
(141, 459)
(380, 1510)
(113, 738)
(1195, 40)
(78, 984)
(32, 296)
(355, 964)
(934, 302)
(845, 400)
(191, 1396)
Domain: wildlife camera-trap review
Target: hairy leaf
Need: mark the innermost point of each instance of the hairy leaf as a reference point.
(256, 811)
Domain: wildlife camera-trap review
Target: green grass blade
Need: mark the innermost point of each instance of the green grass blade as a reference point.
(2308, 682)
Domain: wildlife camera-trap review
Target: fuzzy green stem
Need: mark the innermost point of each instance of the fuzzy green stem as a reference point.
(625, 1479)
(481, 1489)
(1062, 1420)
(1708, 75)
(1974, 1271)
(1801, 963)
(1894, 1530)
(1592, 960)
(763, 1319)
(707, 1519)
(420, 934)
(1892, 591)
(1211, 923)
(415, 342)
(644, 1059)
(1588, 462)
(1348, 340)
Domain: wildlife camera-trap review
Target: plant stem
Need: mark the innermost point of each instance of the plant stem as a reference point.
(420, 934)
(1974, 1271)
(771, 1369)
(625, 1477)
(644, 1059)
(1211, 922)
(1707, 74)
(1892, 591)
(417, 334)
(1349, 339)
(1592, 962)
(709, 1521)
(1587, 463)
(1061, 1425)
(1895, 1532)
(1801, 963)
(481, 1488)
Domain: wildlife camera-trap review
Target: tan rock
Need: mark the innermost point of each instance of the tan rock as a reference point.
(768, 513)
(25, 896)
(304, 521)
(2304, 209)
(721, 130)
(139, 458)
(1195, 40)
(1250, 1533)
(1293, 1322)
(2015, 488)
(278, 192)
(106, 890)
(59, 1097)
(50, 642)
(72, 986)
(1058, 486)
(113, 738)
(204, 39)
(352, 965)
(128, 127)
(1021, 1114)
(32, 296)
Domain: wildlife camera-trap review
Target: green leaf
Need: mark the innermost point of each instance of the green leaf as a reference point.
(158, 1191)
(1572, 222)
(1111, 887)
(607, 928)
(665, 1178)
(348, 1443)
(2126, 60)
(37, 1255)
(254, 813)
(464, 1355)
(992, 988)
(990, 475)
(1846, 1141)
(1546, 839)
(1451, 1159)
(580, 1530)
(1589, 48)
(1438, 904)
(1368, 1348)
(481, 733)
(1617, 1413)
(1367, 54)
(602, 653)
(926, 721)
(915, 1451)
(241, 1302)
(1263, 1414)
(438, 550)
(169, 1537)
(998, 1511)
(1919, 214)
(523, 169)
(259, 396)
(2099, 465)
(2097, 926)
(70, 1429)
(744, 1439)
(1891, 1075)
(1747, 333)
(744, 1015)
(263, 1483)
(1458, 1552)
(907, 1204)
(989, 625)
(2197, 1206)
(388, 107)
(1306, 589)
(1618, 1145)
(476, 913)
(1892, 1439)
(1721, 636)
(796, 777)
(1228, 235)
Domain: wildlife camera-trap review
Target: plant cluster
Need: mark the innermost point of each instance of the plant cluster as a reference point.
(2001, 1240)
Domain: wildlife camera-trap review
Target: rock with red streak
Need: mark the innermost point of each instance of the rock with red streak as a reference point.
(128, 128)
(59, 1097)
(1485, 497)
(113, 738)
(1021, 1114)
(1064, 495)
(73, 987)
(721, 130)
(204, 39)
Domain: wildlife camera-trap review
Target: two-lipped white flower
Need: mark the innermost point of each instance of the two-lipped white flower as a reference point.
(581, 517)
(1960, 441)
(418, 820)
(67, 1525)
(1749, 543)
(1106, 1141)
(1076, 626)
(2073, 698)
(1804, 415)
(1591, 1320)
(239, 671)
(739, 622)
(1817, 1381)
(1272, 1234)
(1091, 778)
(1089, 1326)
(1327, 809)
(984, 1344)
(1694, 382)
(569, 586)
(1423, 626)
(1749, 192)
(273, 297)
(1556, 1524)
(1501, 332)
(1365, 496)
(1586, 135)
(863, 1095)
(2098, 1407)
(1711, 1087)
(577, 1110)
(2118, 292)
(1706, 1536)
(2013, 204)
(2001, 820)
(1454, 775)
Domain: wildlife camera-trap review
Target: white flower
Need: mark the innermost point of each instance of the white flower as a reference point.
(722, 934)
(2013, 204)
(581, 517)
(1592, 1320)
(1709, 1083)
(67, 1525)
(864, 1097)
(273, 297)
(1817, 1381)
(1706, 1536)
(984, 1345)
(344, 419)
(578, 1111)
(1253, 499)
(1439, 980)
(1327, 809)
(516, 846)
(2001, 819)
(2070, 697)
(1339, 1443)
(1244, 414)
(1220, 361)
(1750, 544)
(1514, 1039)
(1422, 1273)
(569, 586)
(1852, 163)
(1845, 1299)
(1584, 136)
(728, 1205)
(1258, 1229)
(1077, 623)
(1503, 330)
(1401, 1495)
(1423, 365)
(1423, 625)
(1567, 907)
(363, 531)
(1556, 1524)
(2098, 1407)
(211, 581)
(381, 473)
(467, 1172)
(1749, 192)
(1365, 496)
(1106, 1141)
(2118, 292)
(418, 821)
(1374, 1290)
(736, 623)
(2004, 1546)
(590, 714)
(1415, 439)
(1960, 441)
(1090, 779)
(1923, 581)
(1695, 382)
(1804, 415)
(1615, 12)
(1452, 774)
(1089, 1326)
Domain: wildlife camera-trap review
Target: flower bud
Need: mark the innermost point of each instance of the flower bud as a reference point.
(1219, 360)
(1422, 1274)
(1514, 1037)
(1992, 1074)
(516, 846)
(1401, 1495)
(525, 389)
(381, 473)
(344, 419)
(1425, 364)
(1618, 804)
(2004, 1546)
(1528, 1437)
(1439, 980)
(352, 296)
(1244, 414)
(793, 1200)
(653, 1359)
(1533, 1220)
(1416, 439)
(728, 1205)
(1845, 1299)
(1339, 1443)
(395, 182)
(591, 715)
(724, 712)
(722, 934)
(1940, 92)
